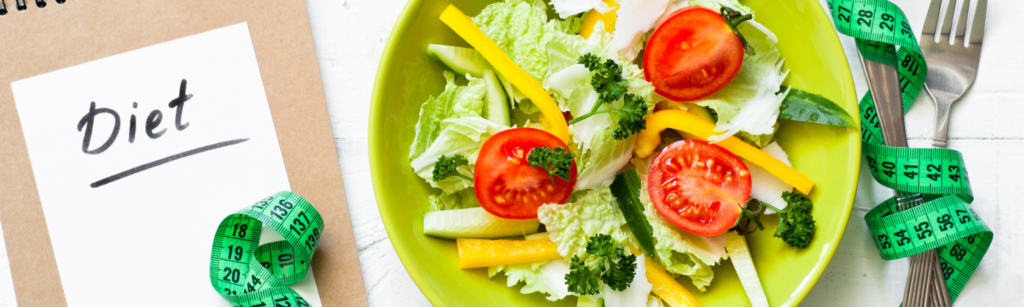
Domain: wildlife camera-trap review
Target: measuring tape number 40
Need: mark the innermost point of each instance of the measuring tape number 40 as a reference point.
(251, 275)
(945, 222)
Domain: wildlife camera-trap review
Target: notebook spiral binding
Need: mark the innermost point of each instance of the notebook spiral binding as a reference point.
(21, 5)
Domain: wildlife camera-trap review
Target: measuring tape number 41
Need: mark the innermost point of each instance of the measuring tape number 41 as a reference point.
(251, 275)
(945, 222)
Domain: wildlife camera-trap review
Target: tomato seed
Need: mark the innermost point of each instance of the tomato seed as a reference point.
(671, 199)
(671, 167)
(670, 185)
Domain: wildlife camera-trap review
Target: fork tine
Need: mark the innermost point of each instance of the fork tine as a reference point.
(947, 20)
(978, 28)
(961, 25)
(931, 18)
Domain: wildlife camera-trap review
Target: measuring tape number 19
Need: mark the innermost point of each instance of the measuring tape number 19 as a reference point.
(945, 222)
(251, 275)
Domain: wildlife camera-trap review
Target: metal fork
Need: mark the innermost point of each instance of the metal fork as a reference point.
(952, 69)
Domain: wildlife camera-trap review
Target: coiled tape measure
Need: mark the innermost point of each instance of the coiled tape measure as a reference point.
(945, 222)
(251, 275)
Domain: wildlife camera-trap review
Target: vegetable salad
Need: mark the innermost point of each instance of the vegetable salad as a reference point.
(604, 153)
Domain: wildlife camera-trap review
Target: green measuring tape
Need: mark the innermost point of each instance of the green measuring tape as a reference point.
(945, 222)
(251, 275)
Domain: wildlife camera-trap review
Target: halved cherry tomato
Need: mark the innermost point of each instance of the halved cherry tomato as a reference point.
(699, 186)
(505, 183)
(693, 54)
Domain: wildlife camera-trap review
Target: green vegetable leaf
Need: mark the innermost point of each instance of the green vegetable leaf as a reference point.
(448, 166)
(626, 189)
(796, 225)
(610, 86)
(607, 79)
(547, 277)
(632, 122)
(602, 245)
(592, 212)
(557, 161)
(456, 101)
(465, 198)
(459, 135)
(806, 107)
(615, 267)
(581, 279)
(620, 273)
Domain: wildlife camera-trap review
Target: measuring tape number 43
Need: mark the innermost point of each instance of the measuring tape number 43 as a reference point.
(251, 275)
(945, 222)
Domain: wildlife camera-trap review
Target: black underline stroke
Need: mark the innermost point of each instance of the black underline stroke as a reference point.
(156, 163)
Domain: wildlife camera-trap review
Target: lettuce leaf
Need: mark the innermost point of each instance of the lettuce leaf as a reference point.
(546, 277)
(459, 135)
(570, 225)
(455, 101)
(462, 199)
(566, 8)
(635, 18)
(680, 252)
(524, 32)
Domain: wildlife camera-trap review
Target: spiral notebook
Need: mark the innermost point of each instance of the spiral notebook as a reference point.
(129, 129)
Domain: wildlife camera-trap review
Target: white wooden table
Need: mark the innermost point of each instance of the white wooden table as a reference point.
(987, 127)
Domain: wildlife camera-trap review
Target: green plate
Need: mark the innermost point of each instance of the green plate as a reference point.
(828, 155)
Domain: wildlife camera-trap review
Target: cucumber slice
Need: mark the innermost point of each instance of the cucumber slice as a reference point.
(460, 60)
(626, 189)
(495, 100)
(475, 223)
(736, 246)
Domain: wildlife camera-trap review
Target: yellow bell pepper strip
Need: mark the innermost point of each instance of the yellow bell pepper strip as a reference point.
(479, 253)
(462, 25)
(684, 121)
(667, 288)
(607, 18)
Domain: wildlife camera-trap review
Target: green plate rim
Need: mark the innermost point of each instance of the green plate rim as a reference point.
(376, 106)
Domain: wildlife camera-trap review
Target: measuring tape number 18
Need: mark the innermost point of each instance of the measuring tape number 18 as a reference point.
(251, 275)
(945, 222)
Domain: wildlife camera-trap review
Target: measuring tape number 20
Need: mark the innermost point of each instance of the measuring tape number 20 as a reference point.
(251, 275)
(945, 222)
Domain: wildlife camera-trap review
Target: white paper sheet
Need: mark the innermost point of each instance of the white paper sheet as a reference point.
(145, 238)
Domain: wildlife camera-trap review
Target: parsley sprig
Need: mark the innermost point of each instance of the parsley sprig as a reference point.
(796, 224)
(615, 267)
(607, 79)
(610, 87)
(449, 166)
(556, 161)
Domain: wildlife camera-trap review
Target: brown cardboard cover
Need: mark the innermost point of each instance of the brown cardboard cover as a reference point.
(41, 40)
